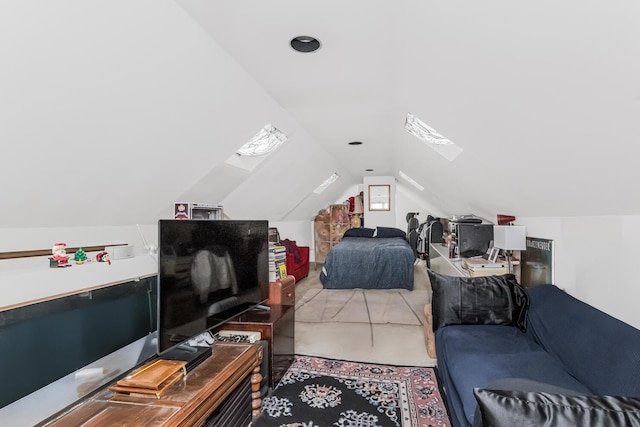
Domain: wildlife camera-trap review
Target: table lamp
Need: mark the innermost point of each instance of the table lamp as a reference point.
(505, 219)
(509, 238)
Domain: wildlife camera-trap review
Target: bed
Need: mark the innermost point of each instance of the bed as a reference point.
(379, 262)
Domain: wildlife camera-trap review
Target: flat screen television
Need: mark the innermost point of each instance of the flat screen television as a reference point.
(474, 239)
(208, 272)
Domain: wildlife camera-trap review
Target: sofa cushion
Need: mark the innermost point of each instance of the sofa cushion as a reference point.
(359, 232)
(490, 300)
(474, 356)
(517, 384)
(504, 408)
(599, 350)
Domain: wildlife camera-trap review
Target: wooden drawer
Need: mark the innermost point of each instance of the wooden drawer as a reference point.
(283, 292)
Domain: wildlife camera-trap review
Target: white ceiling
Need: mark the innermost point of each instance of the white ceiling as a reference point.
(544, 97)
(111, 111)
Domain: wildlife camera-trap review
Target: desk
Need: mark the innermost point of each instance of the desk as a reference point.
(441, 263)
(188, 403)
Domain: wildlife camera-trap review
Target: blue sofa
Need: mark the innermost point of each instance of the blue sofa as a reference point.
(568, 348)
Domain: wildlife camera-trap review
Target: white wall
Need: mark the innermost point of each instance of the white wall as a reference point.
(30, 279)
(408, 201)
(595, 260)
(373, 219)
(300, 231)
(25, 239)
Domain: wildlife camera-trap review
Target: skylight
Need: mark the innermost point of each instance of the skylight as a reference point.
(411, 181)
(326, 183)
(265, 141)
(423, 131)
(436, 141)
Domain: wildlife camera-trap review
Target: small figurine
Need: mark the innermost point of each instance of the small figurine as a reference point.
(59, 258)
(80, 256)
(103, 257)
(181, 212)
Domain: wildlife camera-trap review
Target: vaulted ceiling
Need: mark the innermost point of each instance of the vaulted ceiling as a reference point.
(544, 97)
(113, 111)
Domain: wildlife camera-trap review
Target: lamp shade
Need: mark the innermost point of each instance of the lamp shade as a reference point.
(510, 237)
(358, 205)
(505, 219)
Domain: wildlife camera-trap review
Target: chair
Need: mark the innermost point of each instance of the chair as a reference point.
(297, 260)
(412, 231)
(434, 235)
(298, 269)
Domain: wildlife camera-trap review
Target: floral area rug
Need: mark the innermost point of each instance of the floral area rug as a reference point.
(317, 392)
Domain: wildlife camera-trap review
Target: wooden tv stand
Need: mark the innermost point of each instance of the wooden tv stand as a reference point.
(190, 402)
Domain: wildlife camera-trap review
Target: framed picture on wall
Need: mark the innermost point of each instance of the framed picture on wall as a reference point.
(380, 197)
(536, 262)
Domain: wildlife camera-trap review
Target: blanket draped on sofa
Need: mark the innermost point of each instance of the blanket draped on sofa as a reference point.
(568, 345)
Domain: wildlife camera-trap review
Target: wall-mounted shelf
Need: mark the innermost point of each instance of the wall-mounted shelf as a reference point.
(46, 252)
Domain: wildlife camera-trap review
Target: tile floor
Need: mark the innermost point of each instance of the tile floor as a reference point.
(372, 325)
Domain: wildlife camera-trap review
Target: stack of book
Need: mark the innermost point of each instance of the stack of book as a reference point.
(277, 262)
(478, 267)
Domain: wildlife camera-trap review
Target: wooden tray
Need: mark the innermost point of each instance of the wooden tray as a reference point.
(148, 392)
(153, 375)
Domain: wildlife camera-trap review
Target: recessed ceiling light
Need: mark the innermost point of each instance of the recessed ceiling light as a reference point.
(305, 44)
(265, 141)
(355, 143)
(368, 170)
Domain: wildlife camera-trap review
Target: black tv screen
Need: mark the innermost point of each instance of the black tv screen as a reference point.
(208, 272)
(474, 239)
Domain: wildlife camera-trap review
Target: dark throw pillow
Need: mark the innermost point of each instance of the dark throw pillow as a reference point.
(391, 232)
(490, 300)
(359, 232)
(518, 384)
(504, 408)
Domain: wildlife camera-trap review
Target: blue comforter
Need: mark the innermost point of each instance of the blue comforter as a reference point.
(370, 263)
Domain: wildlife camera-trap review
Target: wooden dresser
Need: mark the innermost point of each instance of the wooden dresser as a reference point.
(192, 401)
